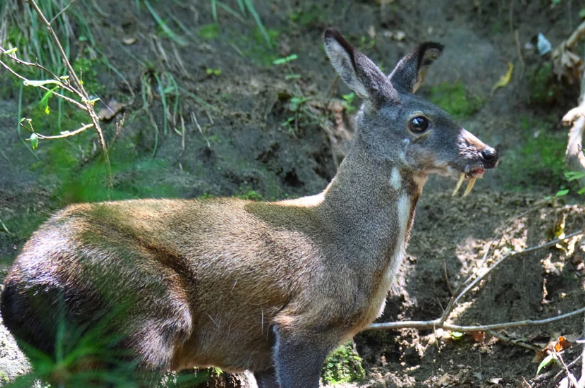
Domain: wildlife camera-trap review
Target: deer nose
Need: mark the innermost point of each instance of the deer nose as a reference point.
(489, 157)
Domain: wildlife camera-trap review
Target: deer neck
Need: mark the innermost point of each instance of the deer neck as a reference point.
(370, 206)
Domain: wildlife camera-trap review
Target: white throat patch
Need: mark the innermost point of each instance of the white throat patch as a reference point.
(403, 214)
(395, 179)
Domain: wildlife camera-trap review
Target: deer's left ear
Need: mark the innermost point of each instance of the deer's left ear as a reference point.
(410, 72)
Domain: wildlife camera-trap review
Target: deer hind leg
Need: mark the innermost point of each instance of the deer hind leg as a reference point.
(136, 338)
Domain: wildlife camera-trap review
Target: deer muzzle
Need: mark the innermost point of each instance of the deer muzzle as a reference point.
(483, 156)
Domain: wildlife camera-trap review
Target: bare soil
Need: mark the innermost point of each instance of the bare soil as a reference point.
(243, 148)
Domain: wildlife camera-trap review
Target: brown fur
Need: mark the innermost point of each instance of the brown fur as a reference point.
(269, 287)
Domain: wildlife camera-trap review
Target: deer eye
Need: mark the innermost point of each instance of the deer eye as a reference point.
(418, 124)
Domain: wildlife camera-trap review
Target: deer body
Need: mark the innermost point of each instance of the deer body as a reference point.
(268, 287)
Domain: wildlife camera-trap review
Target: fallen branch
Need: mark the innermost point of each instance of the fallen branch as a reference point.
(440, 323)
(437, 324)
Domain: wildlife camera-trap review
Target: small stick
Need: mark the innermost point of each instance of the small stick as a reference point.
(447, 277)
(64, 135)
(437, 324)
(78, 104)
(30, 64)
(517, 343)
(569, 374)
(63, 10)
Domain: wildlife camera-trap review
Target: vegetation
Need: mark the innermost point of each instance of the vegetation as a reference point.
(344, 365)
(455, 99)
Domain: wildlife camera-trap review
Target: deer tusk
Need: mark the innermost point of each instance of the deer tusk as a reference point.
(469, 186)
(461, 179)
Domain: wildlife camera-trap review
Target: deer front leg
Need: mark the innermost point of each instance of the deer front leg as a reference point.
(299, 358)
(266, 379)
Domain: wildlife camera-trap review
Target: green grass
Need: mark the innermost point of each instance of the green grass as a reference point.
(344, 365)
(538, 161)
(455, 99)
(545, 88)
(209, 31)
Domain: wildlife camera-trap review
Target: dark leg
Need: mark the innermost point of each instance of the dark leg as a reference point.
(266, 379)
(299, 358)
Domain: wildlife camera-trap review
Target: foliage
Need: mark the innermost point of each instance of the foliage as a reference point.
(88, 70)
(347, 103)
(539, 159)
(455, 99)
(343, 365)
(209, 31)
(546, 89)
(308, 14)
(252, 195)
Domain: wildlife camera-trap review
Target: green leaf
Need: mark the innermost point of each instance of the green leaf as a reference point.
(582, 13)
(546, 362)
(572, 175)
(349, 97)
(45, 100)
(561, 193)
(34, 141)
(456, 335)
(282, 61)
(11, 51)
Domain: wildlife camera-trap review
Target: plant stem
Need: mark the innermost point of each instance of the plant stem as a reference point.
(81, 92)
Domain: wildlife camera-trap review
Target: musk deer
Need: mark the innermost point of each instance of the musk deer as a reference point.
(270, 287)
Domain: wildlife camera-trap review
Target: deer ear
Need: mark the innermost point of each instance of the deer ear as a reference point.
(357, 71)
(410, 72)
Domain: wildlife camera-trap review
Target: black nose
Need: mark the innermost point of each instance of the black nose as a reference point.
(489, 157)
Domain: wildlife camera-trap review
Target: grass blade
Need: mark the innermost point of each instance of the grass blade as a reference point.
(252, 10)
(214, 10)
(242, 7)
(229, 10)
(170, 33)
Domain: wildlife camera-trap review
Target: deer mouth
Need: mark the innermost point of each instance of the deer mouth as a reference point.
(471, 174)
